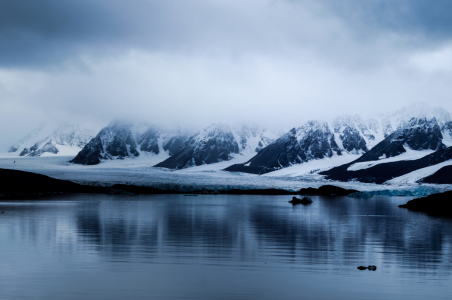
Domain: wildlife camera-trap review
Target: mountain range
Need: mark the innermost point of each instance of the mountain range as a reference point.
(382, 149)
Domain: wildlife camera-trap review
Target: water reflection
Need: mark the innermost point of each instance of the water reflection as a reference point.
(229, 233)
(331, 231)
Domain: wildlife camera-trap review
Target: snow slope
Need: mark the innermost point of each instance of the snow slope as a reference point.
(138, 171)
(414, 176)
(314, 166)
(408, 155)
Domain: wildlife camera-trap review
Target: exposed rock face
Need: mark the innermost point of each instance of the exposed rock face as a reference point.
(213, 144)
(51, 139)
(120, 139)
(417, 134)
(447, 127)
(352, 141)
(149, 141)
(354, 134)
(311, 141)
(91, 153)
(173, 144)
(383, 172)
(316, 141)
(252, 138)
(446, 130)
(48, 147)
(115, 140)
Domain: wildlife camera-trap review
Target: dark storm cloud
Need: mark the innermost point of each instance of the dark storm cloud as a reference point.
(33, 33)
(202, 61)
(429, 20)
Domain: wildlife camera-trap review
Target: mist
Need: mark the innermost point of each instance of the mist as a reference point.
(276, 63)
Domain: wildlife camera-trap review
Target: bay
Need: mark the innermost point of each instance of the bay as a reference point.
(221, 247)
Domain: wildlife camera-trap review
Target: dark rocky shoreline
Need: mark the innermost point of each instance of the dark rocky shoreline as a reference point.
(20, 184)
(436, 204)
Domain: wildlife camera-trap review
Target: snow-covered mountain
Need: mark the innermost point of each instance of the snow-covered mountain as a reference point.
(355, 135)
(401, 152)
(409, 128)
(124, 139)
(50, 139)
(314, 140)
(219, 142)
(393, 121)
(252, 138)
(213, 144)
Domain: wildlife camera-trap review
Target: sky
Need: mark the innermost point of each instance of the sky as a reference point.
(197, 61)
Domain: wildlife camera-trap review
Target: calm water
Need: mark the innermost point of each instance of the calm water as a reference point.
(221, 247)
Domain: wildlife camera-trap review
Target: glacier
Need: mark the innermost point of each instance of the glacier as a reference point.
(139, 171)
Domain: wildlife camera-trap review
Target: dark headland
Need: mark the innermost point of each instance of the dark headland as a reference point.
(436, 204)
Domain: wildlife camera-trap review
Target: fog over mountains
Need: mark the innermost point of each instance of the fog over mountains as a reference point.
(378, 147)
(54, 139)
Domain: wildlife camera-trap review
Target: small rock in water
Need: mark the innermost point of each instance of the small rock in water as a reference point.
(372, 268)
(304, 200)
(362, 268)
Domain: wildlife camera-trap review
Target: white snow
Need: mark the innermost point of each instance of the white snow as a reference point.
(63, 150)
(68, 139)
(314, 166)
(414, 176)
(408, 155)
(139, 171)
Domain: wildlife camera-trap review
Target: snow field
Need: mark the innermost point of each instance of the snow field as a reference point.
(139, 171)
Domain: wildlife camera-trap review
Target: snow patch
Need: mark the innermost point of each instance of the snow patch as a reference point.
(314, 166)
(415, 176)
(139, 172)
(408, 155)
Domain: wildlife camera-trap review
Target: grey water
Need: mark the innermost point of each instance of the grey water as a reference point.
(221, 247)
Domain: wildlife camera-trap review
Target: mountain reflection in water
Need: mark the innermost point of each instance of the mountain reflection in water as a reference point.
(221, 247)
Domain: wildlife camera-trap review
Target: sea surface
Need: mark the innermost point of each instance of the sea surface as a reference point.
(221, 247)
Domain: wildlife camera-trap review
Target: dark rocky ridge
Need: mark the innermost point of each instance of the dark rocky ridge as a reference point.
(33, 150)
(173, 144)
(213, 144)
(312, 141)
(442, 176)
(387, 171)
(351, 130)
(113, 140)
(148, 141)
(118, 140)
(418, 134)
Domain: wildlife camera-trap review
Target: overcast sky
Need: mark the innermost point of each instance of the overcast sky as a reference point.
(199, 61)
